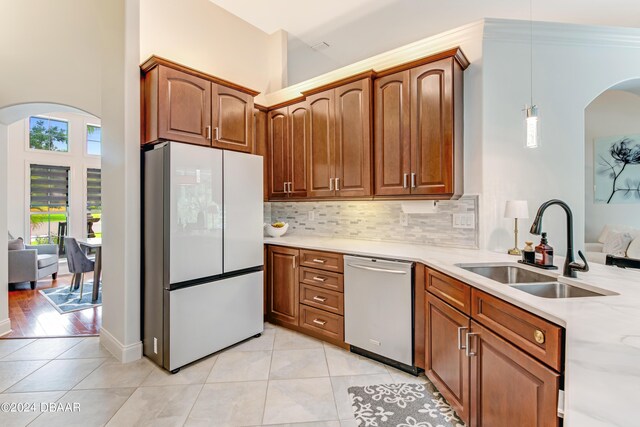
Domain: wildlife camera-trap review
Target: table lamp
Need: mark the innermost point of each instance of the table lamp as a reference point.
(516, 209)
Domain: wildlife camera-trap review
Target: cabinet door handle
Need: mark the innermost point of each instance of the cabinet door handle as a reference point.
(337, 184)
(405, 180)
(330, 184)
(413, 180)
(460, 346)
(217, 131)
(319, 260)
(285, 187)
(293, 264)
(319, 279)
(468, 351)
(319, 322)
(208, 128)
(319, 299)
(290, 187)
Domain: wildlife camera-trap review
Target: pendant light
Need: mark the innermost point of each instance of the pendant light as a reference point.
(532, 119)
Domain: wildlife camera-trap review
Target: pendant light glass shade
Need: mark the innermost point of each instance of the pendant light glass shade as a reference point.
(532, 127)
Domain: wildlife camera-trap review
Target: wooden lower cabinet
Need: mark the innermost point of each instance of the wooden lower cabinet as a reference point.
(508, 387)
(446, 363)
(489, 376)
(282, 285)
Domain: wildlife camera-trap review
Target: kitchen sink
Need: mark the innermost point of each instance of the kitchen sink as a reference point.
(556, 290)
(507, 273)
(531, 282)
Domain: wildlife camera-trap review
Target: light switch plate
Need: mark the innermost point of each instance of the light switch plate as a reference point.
(464, 220)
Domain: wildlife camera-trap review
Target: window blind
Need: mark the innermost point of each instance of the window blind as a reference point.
(49, 187)
(94, 189)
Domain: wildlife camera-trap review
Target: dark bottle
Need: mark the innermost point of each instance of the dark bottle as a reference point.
(529, 253)
(544, 252)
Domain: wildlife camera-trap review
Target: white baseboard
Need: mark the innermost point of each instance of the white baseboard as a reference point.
(124, 353)
(5, 326)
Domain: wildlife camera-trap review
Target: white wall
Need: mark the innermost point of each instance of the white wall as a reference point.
(202, 35)
(21, 157)
(613, 113)
(572, 65)
(5, 323)
(50, 52)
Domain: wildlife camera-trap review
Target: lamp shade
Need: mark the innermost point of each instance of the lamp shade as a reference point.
(516, 209)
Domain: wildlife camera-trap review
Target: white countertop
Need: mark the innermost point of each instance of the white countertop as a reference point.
(602, 352)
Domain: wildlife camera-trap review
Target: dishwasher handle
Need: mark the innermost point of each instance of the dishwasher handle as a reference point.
(381, 270)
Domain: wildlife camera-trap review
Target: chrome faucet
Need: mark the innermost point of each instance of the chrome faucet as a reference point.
(570, 267)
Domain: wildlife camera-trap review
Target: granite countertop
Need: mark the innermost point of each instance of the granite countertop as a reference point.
(602, 351)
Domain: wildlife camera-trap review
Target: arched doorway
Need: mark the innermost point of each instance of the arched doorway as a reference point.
(53, 190)
(612, 171)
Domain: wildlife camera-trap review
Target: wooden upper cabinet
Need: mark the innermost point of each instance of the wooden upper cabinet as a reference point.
(392, 135)
(261, 146)
(299, 131)
(183, 107)
(508, 387)
(186, 105)
(278, 149)
(418, 128)
(432, 128)
(283, 285)
(353, 139)
(232, 113)
(321, 144)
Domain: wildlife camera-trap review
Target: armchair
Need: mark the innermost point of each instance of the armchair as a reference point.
(33, 263)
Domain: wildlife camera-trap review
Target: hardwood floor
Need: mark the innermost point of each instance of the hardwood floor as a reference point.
(33, 316)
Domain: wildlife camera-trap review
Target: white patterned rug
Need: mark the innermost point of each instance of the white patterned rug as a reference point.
(66, 302)
(402, 405)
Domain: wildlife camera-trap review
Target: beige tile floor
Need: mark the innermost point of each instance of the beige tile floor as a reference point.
(279, 379)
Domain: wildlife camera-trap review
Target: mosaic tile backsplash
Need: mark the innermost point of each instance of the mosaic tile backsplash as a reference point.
(378, 220)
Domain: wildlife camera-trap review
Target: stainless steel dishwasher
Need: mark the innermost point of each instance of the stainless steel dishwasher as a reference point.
(378, 310)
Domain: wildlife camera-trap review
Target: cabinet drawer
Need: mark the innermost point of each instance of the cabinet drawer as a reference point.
(322, 279)
(324, 323)
(452, 291)
(536, 336)
(322, 260)
(321, 298)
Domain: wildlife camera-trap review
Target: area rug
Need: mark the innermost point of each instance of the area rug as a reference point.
(66, 302)
(402, 405)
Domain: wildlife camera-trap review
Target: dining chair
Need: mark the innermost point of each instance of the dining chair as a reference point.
(78, 263)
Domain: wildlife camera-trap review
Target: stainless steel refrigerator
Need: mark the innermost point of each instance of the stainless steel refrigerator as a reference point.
(202, 251)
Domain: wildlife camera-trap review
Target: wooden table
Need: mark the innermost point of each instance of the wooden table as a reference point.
(94, 243)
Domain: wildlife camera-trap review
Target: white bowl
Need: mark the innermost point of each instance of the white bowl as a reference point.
(276, 232)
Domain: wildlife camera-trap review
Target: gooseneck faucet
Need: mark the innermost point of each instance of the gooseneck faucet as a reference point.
(570, 267)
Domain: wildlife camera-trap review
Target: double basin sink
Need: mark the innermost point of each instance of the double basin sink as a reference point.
(531, 282)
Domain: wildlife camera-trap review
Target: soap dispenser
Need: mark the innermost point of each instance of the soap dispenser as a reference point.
(544, 252)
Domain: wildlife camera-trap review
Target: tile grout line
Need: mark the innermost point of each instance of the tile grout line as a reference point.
(194, 402)
(266, 392)
(333, 392)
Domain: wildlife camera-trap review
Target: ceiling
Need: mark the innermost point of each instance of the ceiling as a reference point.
(357, 29)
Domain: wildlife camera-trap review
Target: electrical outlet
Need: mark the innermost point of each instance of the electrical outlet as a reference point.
(404, 219)
(155, 345)
(312, 215)
(464, 220)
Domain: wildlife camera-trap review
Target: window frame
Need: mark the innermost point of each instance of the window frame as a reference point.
(36, 150)
(86, 140)
(27, 196)
(85, 190)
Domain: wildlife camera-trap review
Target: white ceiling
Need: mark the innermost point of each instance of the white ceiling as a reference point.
(357, 29)
(303, 17)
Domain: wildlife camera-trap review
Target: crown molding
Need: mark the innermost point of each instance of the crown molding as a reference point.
(518, 31)
(411, 52)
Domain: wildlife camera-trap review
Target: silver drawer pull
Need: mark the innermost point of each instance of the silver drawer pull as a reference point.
(460, 346)
(467, 350)
(319, 322)
(319, 260)
(319, 279)
(319, 299)
(382, 270)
